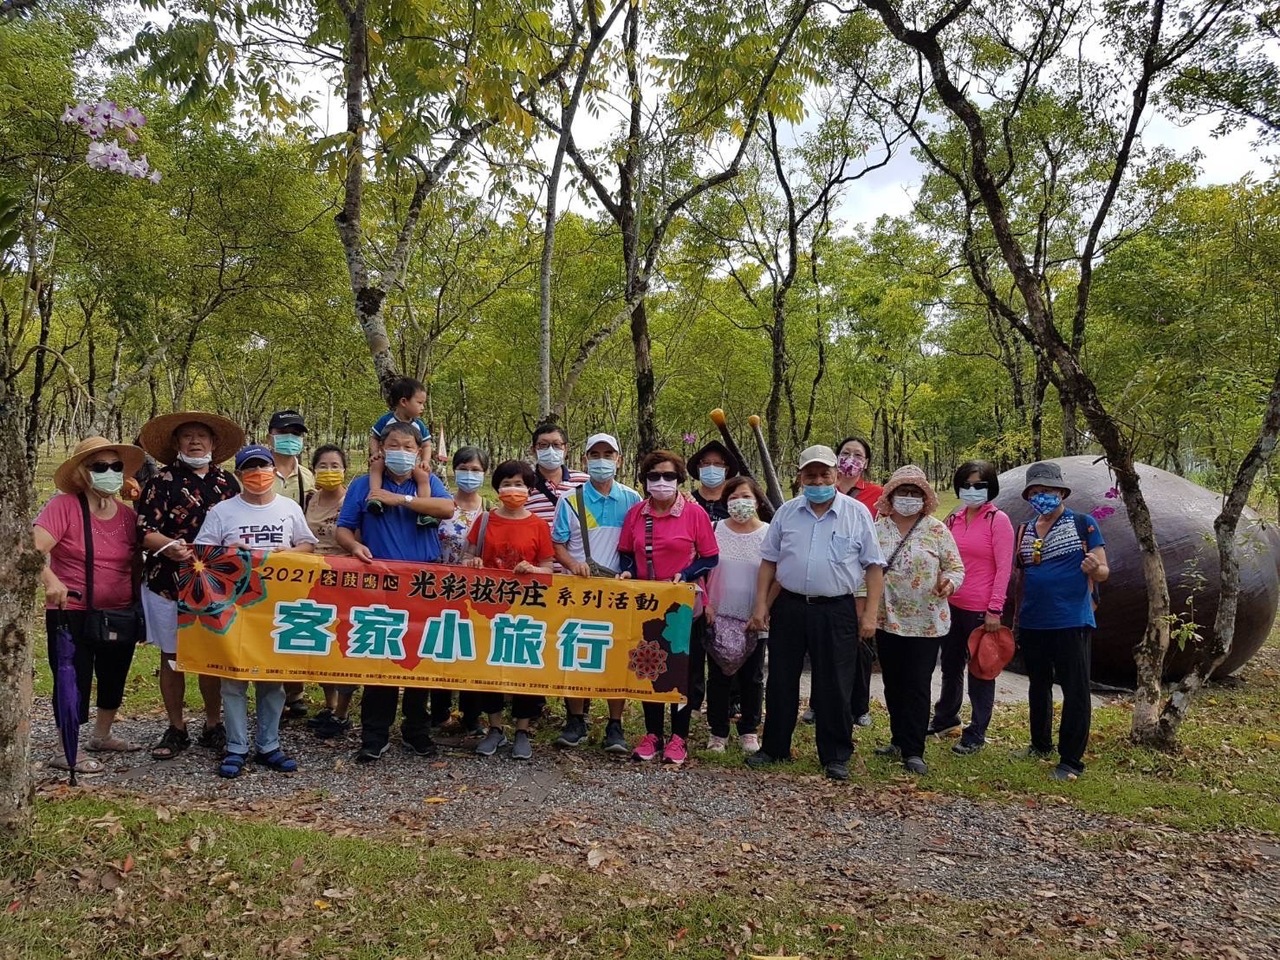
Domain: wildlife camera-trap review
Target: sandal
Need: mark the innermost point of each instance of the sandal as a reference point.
(111, 745)
(171, 744)
(88, 767)
(232, 765)
(213, 738)
(277, 760)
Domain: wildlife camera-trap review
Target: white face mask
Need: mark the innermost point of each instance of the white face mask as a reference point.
(109, 483)
(196, 463)
(973, 497)
(908, 506)
(551, 458)
(742, 509)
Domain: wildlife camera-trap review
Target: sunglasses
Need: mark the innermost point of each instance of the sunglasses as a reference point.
(114, 466)
(1037, 545)
(982, 485)
(661, 475)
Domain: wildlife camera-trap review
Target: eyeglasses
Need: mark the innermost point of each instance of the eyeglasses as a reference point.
(548, 446)
(661, 475)
(114, 466)
(1037, 545)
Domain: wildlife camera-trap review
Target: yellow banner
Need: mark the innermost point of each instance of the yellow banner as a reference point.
(264, 616)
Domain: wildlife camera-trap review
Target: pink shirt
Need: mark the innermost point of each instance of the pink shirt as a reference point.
(678, 537)
(115, 542)
(986, 547)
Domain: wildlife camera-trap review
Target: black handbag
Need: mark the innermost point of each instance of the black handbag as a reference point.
(106, 626)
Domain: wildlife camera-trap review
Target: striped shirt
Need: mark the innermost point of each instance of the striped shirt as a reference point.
(540, 506)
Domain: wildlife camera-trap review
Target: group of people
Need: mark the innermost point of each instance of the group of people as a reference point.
(844, 572)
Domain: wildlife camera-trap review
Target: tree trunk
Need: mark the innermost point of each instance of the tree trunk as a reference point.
(778, 343)
(1072, 442)
(1225, 526)
(1038, 389)
(20, 564)
(646, 393)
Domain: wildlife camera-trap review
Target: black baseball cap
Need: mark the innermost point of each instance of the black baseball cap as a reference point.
(287, 420)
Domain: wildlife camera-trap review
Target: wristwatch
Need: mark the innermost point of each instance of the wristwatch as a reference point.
(408, 498)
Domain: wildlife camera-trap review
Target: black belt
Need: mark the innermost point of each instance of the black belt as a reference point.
(803, 599)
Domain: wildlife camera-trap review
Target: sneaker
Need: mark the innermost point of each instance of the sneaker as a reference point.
(915, 765)
(1032, 753)
(213, 738)
(323, 716)
(522, 749)
(864, 720)
(675, 752)
(750, 743)
(421, 744)
(837, 771)
(370, 752)
(332, 727)
(615, 740)
(474, 728)
(889, 750)
(574, 733)
(1063, 772)
(946, 730)
(807, 716)
(648, 748)
(717, 744)
(760, 759)
(966, 748)
(493, 740)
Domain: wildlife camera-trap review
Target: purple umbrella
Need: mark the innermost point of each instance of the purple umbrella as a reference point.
(66, 697)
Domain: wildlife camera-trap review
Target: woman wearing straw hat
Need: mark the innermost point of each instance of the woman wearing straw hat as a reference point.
(89, 538)
(924, 569)
(171, 509)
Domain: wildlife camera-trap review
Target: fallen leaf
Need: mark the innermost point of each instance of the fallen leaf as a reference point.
(298, 865)
(110, 879)
(128, 863)
(14, 907)
(321, 904)
(436, 800)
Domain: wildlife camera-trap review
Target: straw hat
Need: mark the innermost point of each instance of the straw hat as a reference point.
(68, 478)
(908, 476)
(157, 435)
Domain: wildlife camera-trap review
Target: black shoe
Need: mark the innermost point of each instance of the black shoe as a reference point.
(615, 740)
(759, 760)
(375, 507)
(889, 750)
(915, 765)
(371, 752)
(333, 727)
(1063, 772)
(295, 709)
(323, 716)
(213, 738)
(807, 716)
(966, 748)
(837, 771)
(574, 733)
(421, 744)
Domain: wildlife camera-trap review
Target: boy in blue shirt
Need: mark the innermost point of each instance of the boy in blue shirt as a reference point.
(406, 398)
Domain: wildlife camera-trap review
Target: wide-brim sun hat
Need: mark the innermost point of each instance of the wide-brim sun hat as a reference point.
(908, 476)
(158, 440)
(1045, 474)
(990, 652)
(68, 479)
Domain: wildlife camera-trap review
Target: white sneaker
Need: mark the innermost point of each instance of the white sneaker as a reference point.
(717, 744)
(750, 744)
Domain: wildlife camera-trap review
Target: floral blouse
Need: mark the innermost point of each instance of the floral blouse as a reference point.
(911, 607)
(453, 532)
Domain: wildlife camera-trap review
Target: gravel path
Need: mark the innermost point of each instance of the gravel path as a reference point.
(1042, 869)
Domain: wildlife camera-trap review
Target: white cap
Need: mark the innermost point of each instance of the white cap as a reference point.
(817, 454)
(602, 438)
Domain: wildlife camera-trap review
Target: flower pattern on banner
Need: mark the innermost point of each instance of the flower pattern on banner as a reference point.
(647, 660)
(215, 582)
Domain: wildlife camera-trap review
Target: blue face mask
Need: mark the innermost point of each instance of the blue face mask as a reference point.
(601, 470)
(819, 493)
(1044, 503)
(401, 462)
(287, 443)
(469, 480)
(711, 476)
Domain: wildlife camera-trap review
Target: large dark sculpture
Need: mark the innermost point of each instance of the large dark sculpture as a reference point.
(1183, 515)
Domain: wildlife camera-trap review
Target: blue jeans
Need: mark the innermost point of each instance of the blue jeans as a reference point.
(235, 714)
